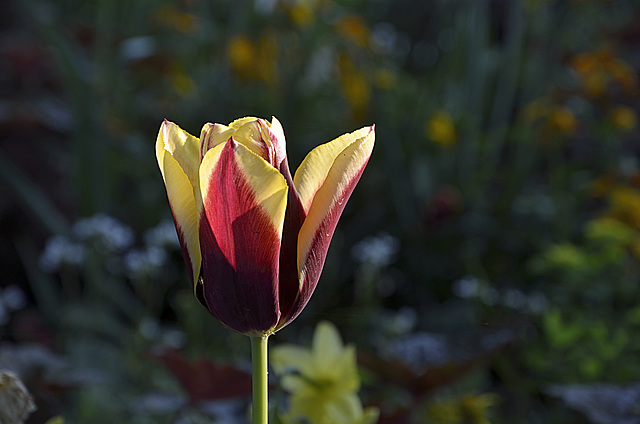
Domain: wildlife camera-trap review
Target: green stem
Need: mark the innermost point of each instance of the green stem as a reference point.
(260, 380)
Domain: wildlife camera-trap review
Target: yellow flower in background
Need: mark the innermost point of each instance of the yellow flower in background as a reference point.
(323, 381)
(256, 60)
(302, 14)
(182, 83)
(625, 206)
(353, 28)
(602, 185)
(598, 70)
(355, 87)
(475, 407)
(472, 409)
(327, 370)
(614, 233)
(624, 118)
(623, 73)
(267, 58)
(385, 79)
(584, 63)
(344, 410)
(358, 93)
(242, 53)
(180, 21)
(566, 255)
(609, 229)
(441, 130)
(635, 247)
(535, 110)
(595, 83)
(562, 119)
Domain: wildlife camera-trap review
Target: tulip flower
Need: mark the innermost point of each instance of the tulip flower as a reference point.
(254, 238)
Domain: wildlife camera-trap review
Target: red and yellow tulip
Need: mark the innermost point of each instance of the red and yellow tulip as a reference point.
(254, 238)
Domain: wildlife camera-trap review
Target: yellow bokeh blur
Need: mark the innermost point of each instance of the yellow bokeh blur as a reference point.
(441, 130)
(624, 118)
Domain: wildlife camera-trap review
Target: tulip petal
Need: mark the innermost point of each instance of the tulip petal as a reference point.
(213, 135)
(184, 148)
(325, 210)
(314, 168)
(244, 201)
(180, 191)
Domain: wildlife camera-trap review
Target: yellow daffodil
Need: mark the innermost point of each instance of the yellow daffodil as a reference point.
(323, 381)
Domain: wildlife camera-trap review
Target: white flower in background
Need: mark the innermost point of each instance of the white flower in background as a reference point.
(320, 68)
(490, 296)
(470, 287)
(384, 38)
(61, 251)
(12, 299)
(163, 235)
(174, 338)
(149, 328)
(106, 229)
(380, 250)
(466, 287)
(16, 403)
(628, 166)
(421, 351)
(148, 261)
(403, 321)
(538, 205)
(537, 303)
(514, 299)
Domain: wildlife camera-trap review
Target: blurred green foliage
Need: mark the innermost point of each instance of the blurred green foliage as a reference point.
(503, 195)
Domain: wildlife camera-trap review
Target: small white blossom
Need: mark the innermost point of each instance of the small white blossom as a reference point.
(320, 68)
(107, 230)
(628, 166)
(490, 296)
(149, 328)
(514, 299)
(537, 205)
(14, 298)
(138, 48)
(404, 320)
(383, 38)
(149, 261)
(162, 235)
(380, 250)
(537, 303)
(421, 351)
(466, 287)
(61, 251)
(174, 338)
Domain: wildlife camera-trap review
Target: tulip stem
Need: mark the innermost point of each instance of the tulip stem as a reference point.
(260, 380)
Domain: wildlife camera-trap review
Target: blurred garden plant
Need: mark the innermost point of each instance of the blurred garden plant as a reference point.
(16, 404)
(322, 381)
(593, 343)
(254, 238)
